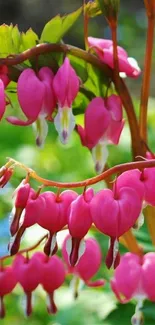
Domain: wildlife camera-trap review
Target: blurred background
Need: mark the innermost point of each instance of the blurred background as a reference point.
(71, 163)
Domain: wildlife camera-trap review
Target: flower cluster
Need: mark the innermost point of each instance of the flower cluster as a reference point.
(44, 96)
(53, 211)
(50, 272)
(111, 211)
(134, 278)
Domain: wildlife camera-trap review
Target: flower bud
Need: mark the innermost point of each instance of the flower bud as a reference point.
(5, 175)
(110, 9)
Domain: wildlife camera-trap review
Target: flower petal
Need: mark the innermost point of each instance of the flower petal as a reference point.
(2, 99)
(114, 105)
(66, 84)
(46, 76)
(97, 119)
(64, 123)
(15, 121)
(30, 92)
(100, 154)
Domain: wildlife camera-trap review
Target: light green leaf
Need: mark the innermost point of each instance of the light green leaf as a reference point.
(69, 20)
(57, 27)
(28, 40)
(6, 44)
(52, 30)
(16, 38)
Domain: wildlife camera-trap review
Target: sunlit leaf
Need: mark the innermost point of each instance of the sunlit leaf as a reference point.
(57, 27)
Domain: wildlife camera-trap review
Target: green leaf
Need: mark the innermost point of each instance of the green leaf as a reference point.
(28, 40)
(57, 27)
(69, 20)
(52, 31)
(6, 45)
(16, 38)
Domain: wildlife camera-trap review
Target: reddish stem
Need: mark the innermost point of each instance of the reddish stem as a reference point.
(146, 77)
(90, 181)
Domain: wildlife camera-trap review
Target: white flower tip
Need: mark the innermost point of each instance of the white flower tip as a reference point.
(135, 65)
(64, 123)
(100, 155)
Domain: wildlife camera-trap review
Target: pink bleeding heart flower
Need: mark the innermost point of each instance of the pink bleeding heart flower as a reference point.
(55, 215)
(141, 181)
(37, 100)
(35, 207)
(104, 48)
(8, 282)
(103, 124)
(21, 196)
(28, 273)
(88, 265)
(66, 87)
(114, 213)
(52, 277)
(4, 81)
(134, 278)
(79, 222)
(5, 175)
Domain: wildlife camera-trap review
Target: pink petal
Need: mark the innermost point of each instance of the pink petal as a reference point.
(127, 277)
(46, 76)
(148, 278)
(149, 181)
(97, 119)
(114, 105)
(102, 206)
(66, 84)
(81, 131)
(130, 206)
(2, 99)
(131, 178)
(30, 92)
(15, 121)
(104, 49)
(99, 42)
(114, 131)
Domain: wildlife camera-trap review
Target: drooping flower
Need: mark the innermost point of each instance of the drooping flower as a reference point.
(88, 264)
(66, 87)
(114, 213)
(8, 282)
(52, 277)
(104, 49)
(141, 181)
(134, 278)
(21, 197)
(37, 100)
(4, 81)
(55, 215)
(79, 223)
(28, 273)
(35, 206)
(103, 124)
(5, 175)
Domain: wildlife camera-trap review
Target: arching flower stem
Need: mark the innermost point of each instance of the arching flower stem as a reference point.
(137, 145)
(87, 182)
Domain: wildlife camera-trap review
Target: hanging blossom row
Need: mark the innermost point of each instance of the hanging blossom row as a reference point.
(40, 93)
(112, 212)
